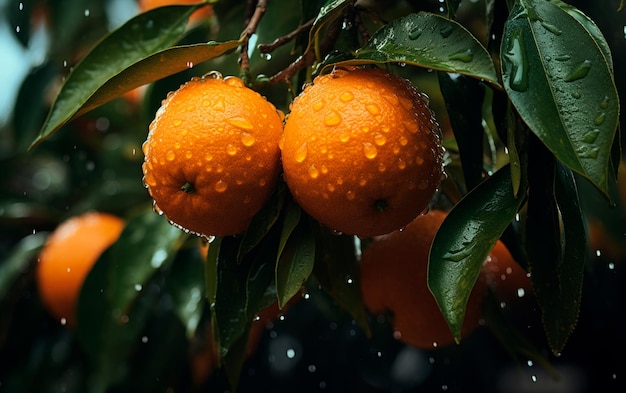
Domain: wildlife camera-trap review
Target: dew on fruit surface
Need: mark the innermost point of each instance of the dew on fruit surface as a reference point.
(369, 150)
(247, 139)
(401, 164)
(445, 31)
(240, 122)
(346, 96)
(465, 56)
(332, 118)
(324, 169)
(330, 187)
(231, 149)
(406, 103)
(381, 167)
(156, 208)
(234, 81)
(380, 139)
(551, 28)
(410, 126)
(599, 120)
(579, 71)
(362, 182)
(350, 195)
(208, 157)
(391, 98)
(221, 186)
(516, 56)
(149, 180)
(373, 109)
(301, 153)
(318, 106)
(313, 172)
(415, 33)
(344, 137)
(403, 141)
(188, 154)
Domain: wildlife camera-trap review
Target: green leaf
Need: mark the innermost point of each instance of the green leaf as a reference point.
(622, 5)
(17, 262)
(263, 221)
(464, 241)
(329, 12)
(466, 120)
(296, 256)
(115, 300)
(556, 246)
(430, 41)
(337, 271)
(185, 285)
(452, 6)
(557, 74)
(137, 53)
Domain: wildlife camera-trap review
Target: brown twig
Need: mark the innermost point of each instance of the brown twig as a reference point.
(308, 57)
(280, 41)
(251, 24)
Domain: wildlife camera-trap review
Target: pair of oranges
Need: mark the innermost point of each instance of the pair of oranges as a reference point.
(360, 151)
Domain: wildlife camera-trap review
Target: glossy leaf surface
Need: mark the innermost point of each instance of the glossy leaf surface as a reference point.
(557, 73)
(464, 241)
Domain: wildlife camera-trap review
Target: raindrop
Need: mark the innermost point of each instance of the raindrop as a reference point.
(138, 287)
(344, 137)
(605, 103)
(63, 321)
(415, 33)
(465, 56)
(579, 72)
(221, 186)
(401, 163)
(313, 172)
(551, 28)
(318, 106)
(350, 195)
(380, 139)
(346, 96)
(611, 266)
(586, 152)
(600, 119)
(521, 292)
(332, 118)
(301, 153)
(373, 109)
(231, 149)
(144, 339)
(563, 57)
(87, 12)
(158, 258)
(219, 105)
(240, 122)
(247, 139)
(369, 150)
(233, 81)
(591, 136)
(516, 56)
(312, 368)
(349, 280)
(576, 95)
(445, 31)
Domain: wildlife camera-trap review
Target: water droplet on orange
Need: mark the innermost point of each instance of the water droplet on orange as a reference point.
(324, 169)
(170, 155)
(221, 186)
(234, 81)
(410, 126)
(301, 153)
(346, 96)
(184, 132)
(318, 106)
(344, 137)
(403, 141)
(262, 182)
(149, 180)
(419, 160)
(406, 103)
(332, 118)
(177, 123)
(313, 172)
(373, 109)
(177, 145)
(188, 154)
(362, 182)
(208, 157)
(380, 139)
(381, 167)
(330, 187)
(231, 149)
(401, 163)
(369, 150)
(391, 98)
(350, 195)
(247, 139)
(240, 122)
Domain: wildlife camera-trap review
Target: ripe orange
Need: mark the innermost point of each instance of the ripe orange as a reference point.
(212, 156)
(394, 279)
(504, 275)
(68, 256)
(198, 16)
(361, 151)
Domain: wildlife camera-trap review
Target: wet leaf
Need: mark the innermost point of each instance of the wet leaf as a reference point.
(556, 72)
(115, 300)
(466, 120)
(329, 12)
(137, 53)
(18, 260)
(452, 7)
(296, 256)
(337, 271)
(464, 241)
(430, 41)
(185, 285)
(556, 246)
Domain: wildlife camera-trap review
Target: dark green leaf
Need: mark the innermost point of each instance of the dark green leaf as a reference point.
(337, 271)
(185, 285)
(263, 221)
(464, 241)
(556, 246)
(210, 270)
(17, 262)
(430, 41)
(622, 5)
(557, 75)
(115, 300)
(466, 120)
(137, 53)
(329, 12)
(295, 261)
(452, 6)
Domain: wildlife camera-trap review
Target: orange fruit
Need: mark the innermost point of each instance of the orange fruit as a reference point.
(212, 156)
(361, 151)
(196, 17)
(504, 275)
(67, 257)
(394, 279)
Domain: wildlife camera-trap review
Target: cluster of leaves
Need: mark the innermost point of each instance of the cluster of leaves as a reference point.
(540, 77)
